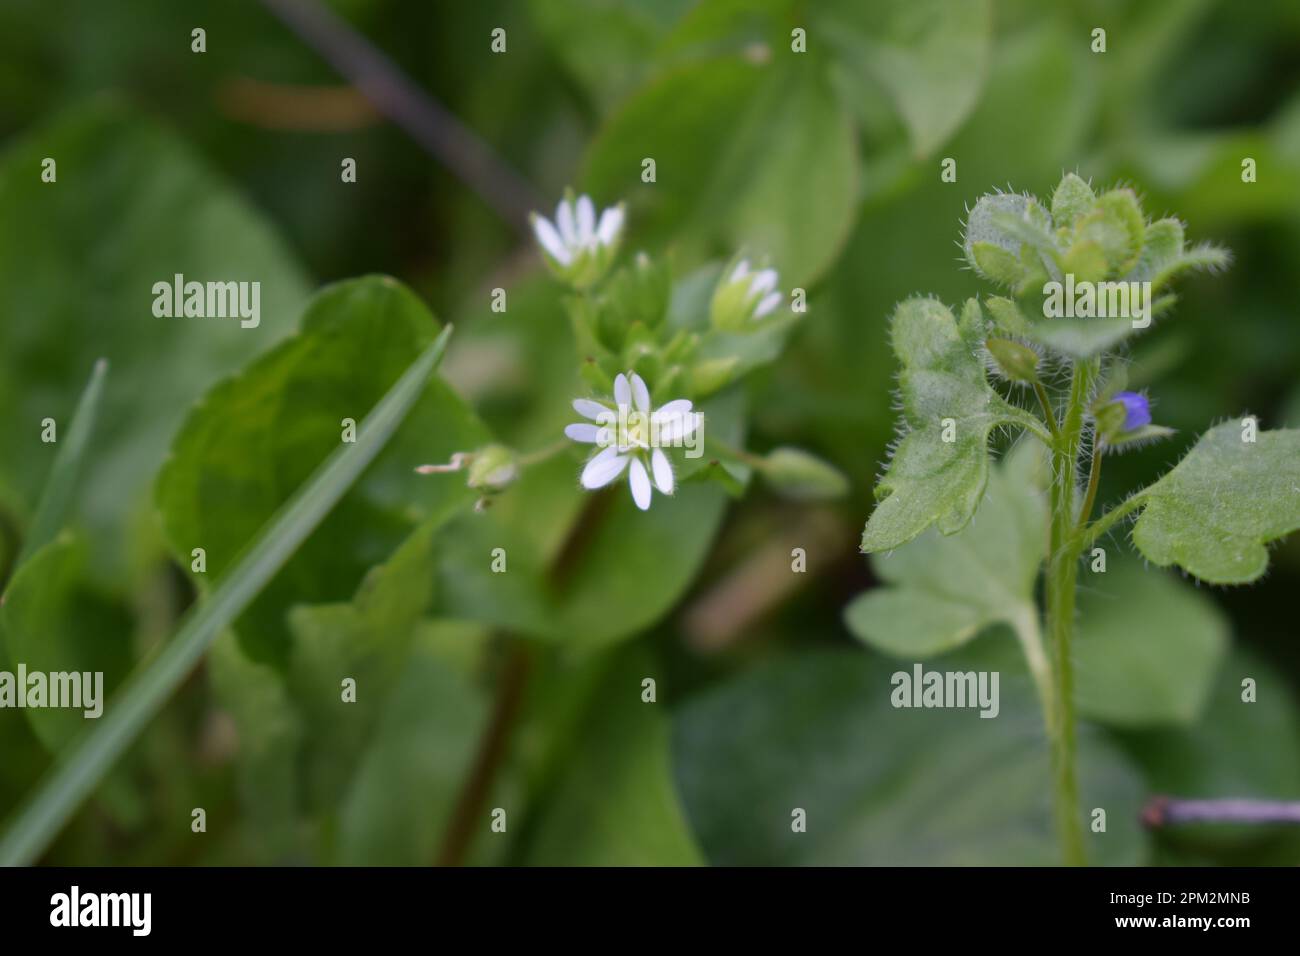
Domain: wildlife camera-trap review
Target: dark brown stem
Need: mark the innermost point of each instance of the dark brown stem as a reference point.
(467, 818)
(394, 95)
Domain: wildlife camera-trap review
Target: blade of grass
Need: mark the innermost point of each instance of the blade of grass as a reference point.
(80, 769)
(52, 509)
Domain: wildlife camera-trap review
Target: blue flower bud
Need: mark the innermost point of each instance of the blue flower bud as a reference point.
(1137, 410)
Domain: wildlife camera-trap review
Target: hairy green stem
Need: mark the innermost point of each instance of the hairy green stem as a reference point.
(1062, 578)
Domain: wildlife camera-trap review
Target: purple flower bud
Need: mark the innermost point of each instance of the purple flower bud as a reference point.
(1137, 410)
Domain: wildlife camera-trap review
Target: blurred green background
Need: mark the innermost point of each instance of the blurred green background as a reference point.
(226, 163)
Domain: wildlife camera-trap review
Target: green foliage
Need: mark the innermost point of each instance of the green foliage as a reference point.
(938, 472)
(881, 786)
(1012, 240)
(1213, 514)
(45, 812)
(256, 437)
(945, 590)
(1149, 647)
(132, 206)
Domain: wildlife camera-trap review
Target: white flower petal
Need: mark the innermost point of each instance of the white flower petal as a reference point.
(586, 220)
(768, 305)
(589, 409)
(564, 219)
(683, 426)
(640, 483)
(764, 281)
(611, 221)
(741, 270)
(663, 472)
(622, 391)
(550, 240)
(607, 465)
(640, 394)
(678, 406)
(583, 432)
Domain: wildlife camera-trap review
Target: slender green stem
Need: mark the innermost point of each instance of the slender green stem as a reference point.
(1094, 479)
(1103, 524)
(1062, 578)
(726, 450)
(544, 453)
(1048, 414)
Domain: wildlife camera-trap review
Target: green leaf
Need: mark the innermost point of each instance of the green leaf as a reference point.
(606, 44)
(149, 688)
(61, 485)
(748, 156)
(409, 778)
(998, 228)
(930, 55)
(930, 480)
(132, 206)
(1148, 647)
(366, 640)
(254, 437)
(944, 591)
(1072, 200)
(53, 620)
(270, 732)
(880, 785)
(802, 476)
(615, 803)
(1213, 514)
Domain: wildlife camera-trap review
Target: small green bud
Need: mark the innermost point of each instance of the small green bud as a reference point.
(802, 476)
(1018, 363)
(1072, 200)
(1007, 315)
(744, 296)
(492, 468)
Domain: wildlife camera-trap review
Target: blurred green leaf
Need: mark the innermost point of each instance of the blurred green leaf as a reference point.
(747, 155)
(1148, 647)
(607, 44)
(49, 807)
(616, 803)
(254, 438)
(53, 620)
(881, 786)
(131, 207)
(61, 484)
(945, 590)
(411, 773)
(931, 55)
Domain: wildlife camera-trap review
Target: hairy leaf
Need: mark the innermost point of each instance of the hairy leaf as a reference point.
(1213, 514)
(946, 590)
(932, 480)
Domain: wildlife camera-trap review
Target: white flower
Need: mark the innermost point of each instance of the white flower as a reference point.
(577, 247)
(745, 296)
(631, 436)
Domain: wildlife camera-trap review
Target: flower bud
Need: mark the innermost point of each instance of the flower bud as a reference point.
(1018, 363)
(799, 475)
(492, 468)
(744, 296)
